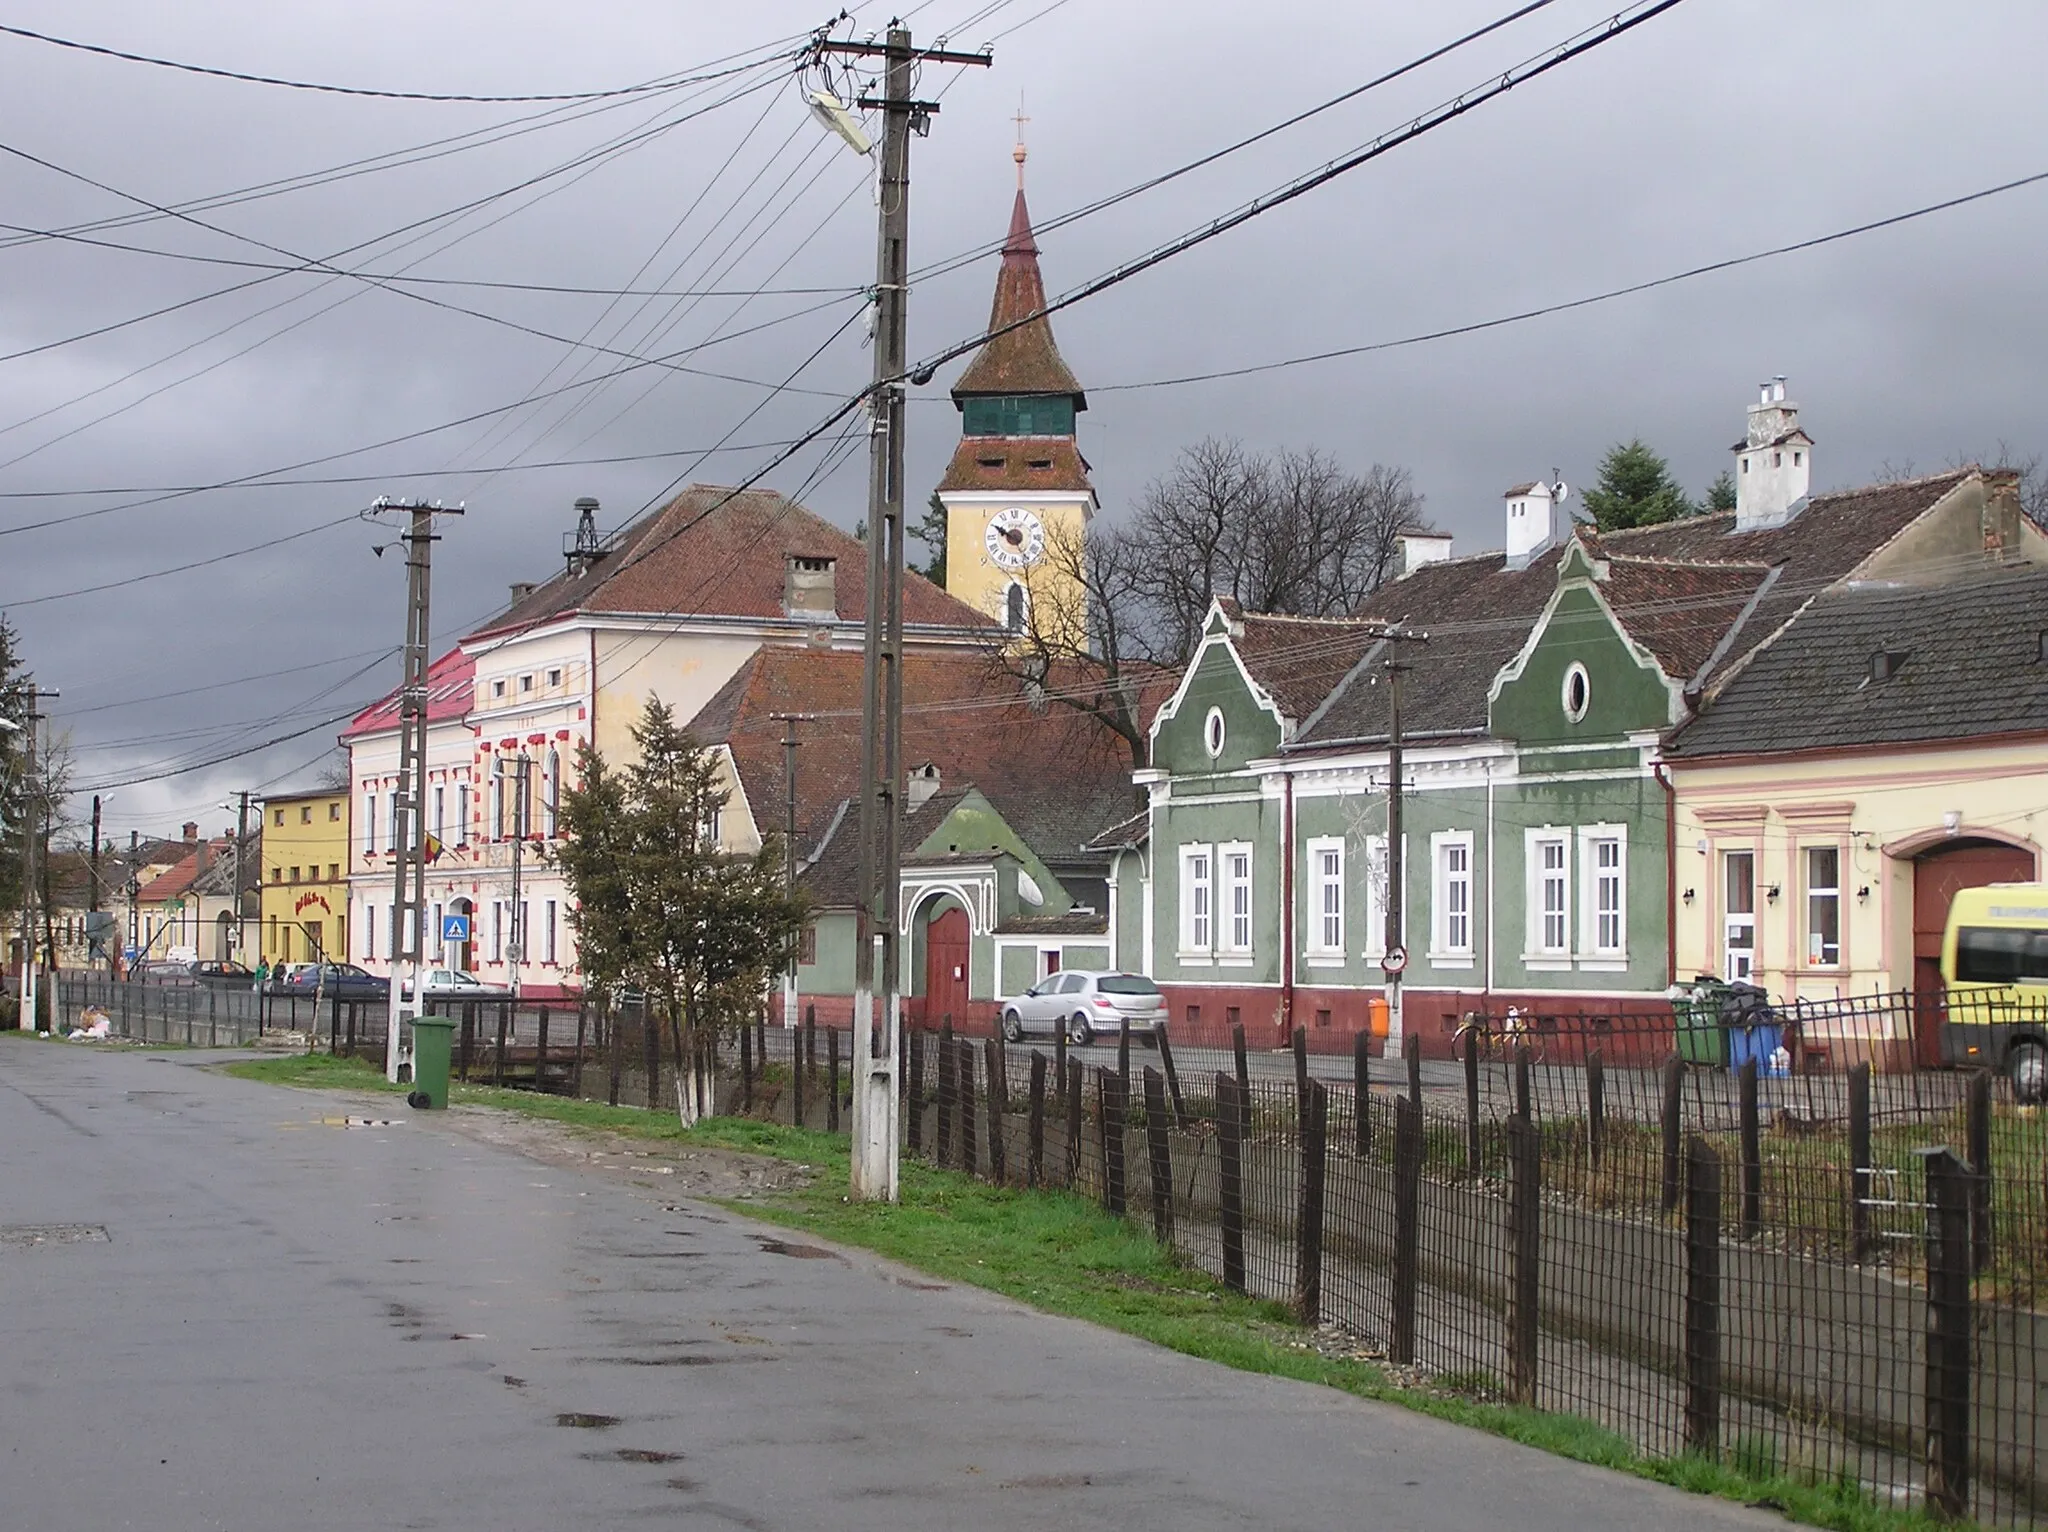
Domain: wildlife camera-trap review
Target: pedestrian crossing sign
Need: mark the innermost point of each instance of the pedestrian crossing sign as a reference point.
(454, 928)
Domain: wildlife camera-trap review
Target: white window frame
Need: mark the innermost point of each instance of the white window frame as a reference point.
(440, 946)
(548, 933)
(1747, 922)
(497, 930)
(1595, 953)
(1197, 902)
(370, 820)
(1236, 904)
(1326, 911)
(462, 813)
(551, 790)
(1547, 931)
(497, 804)
(1374, 870)
(369, 932)
(1808, 890)
(1444, 951)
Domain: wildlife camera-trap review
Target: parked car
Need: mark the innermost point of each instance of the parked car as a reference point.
(221, 973)
(161, 971)
(1084, 1004)
(460, 984)
(281, 976)
(337, 980)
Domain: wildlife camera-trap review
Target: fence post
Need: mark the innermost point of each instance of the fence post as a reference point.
(1123, 1052)
(1109, 1099)
(615, 1045)
(1244, 1068)
(1979, 1136)
(1230, 1178)
(998, 1111)
(913, 1106)
(1299, 1043)
(1160, 1155)
(1308, 1223)
(761, 1041)
(1473, 1155)
(810, 1042)
(504, 1025)
(1950, 1201)
(942, 1151)
(1750, 1134)
(963, 1079)
(1361, 1091)
(1596, 1107)
(1180, 1105)
(1521, 1061)
(582, 1030)
(1407, 1228)
(1072, 1088)
(540, 1051)
(1414, 1074)
(746, 1070)
(832, 1079)
(1673, 1076)
(1034, 1151)
(1702, 1297)
(1525, 1256)
(1859, 1161)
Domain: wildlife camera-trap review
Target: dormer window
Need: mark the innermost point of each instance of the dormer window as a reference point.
(991, 462)
(1043, 464)
(1887, 663)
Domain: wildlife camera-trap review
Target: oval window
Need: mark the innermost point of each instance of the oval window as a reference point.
(1578, 691)
(1212, 732)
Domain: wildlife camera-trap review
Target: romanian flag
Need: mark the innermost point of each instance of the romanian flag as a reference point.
(433, 848)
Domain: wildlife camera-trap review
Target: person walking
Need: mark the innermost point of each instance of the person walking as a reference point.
(262, 973)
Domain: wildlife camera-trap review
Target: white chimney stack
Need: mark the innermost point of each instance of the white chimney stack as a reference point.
(1531, 520)
(1773, 462)
(1419, 546)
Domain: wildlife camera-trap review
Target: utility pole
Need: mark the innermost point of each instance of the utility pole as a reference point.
(1394, 961)
(515, 954)
(789, 721)
(878, 967)
(408, 838)
(134, 895)
(241, 837)
(26, 997)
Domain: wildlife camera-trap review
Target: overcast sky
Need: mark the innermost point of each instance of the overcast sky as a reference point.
(1721, 128)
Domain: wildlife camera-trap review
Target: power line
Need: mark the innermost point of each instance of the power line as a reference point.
(205, 563)
(1578, 303)
(357, 90)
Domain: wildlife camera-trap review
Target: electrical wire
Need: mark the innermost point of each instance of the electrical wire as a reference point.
(356, 90)
(205, 563)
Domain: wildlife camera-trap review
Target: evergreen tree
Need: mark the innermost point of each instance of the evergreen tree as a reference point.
(931, 531)
(1635, 490)
(659, 905)
(1721, 493)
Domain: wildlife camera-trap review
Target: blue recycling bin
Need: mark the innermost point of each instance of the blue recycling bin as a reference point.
(1758, 1040)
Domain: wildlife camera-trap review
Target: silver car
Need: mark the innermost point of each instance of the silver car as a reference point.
(1085, 1005)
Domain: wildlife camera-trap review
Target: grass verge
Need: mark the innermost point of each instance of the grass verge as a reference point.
(1062, 1254)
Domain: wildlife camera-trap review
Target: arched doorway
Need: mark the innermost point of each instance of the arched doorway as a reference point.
(948, 943)
(1938, 873)
(224, 935)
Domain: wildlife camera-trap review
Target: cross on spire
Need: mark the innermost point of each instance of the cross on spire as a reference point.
(1020, 153)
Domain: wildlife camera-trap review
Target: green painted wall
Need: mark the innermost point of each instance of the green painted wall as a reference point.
(1127, 888)
(832, 973)
(1085, 957)
(1626, 693)
(974, 828)
(1020, 970)
(1250, 731)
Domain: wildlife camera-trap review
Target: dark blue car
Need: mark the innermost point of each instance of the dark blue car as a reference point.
(332, 980)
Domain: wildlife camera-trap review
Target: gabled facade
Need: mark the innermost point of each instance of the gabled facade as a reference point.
(306, 869)
(1537, 687)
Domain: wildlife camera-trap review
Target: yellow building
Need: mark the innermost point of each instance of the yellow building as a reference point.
(1017, 495)
(305, 876)
(1885, 751)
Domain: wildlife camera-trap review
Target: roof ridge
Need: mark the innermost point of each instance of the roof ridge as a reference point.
(1756, 565)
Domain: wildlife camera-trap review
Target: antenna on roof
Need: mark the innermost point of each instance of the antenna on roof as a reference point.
(586, 548)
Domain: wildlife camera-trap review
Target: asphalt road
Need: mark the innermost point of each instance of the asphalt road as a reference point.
(295, 1324)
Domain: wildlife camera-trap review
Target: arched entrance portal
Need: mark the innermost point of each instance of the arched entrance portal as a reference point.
(1938, 873)
(224, 936)
(948, 941)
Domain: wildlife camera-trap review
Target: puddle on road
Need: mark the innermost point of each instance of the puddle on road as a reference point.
(577, 1420)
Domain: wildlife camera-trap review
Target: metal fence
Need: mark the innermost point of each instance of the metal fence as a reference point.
(1829, 1274)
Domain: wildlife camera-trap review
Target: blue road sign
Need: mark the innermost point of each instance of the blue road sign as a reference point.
(454, 928)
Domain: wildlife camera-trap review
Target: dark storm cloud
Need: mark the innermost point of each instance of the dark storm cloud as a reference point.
(1721, 128)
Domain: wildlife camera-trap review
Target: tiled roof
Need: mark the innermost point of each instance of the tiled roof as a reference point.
(1680, 612)
(1125, 833)
(1298, 659)
(1055, 777)
(1074, 923)
(1971, 667)
(713, 553)
(1012, 463)
(1478, 613)
(449, 681)
(1025, 360)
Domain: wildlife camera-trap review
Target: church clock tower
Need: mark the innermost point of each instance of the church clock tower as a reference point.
(1017, 495)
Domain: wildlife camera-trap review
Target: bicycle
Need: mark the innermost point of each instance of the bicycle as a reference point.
(1516, 1029)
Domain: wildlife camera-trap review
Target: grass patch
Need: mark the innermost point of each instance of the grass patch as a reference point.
(1062, 1254)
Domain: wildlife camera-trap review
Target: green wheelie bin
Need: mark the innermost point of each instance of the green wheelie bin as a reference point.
(430, 1049)
(1696, 1008)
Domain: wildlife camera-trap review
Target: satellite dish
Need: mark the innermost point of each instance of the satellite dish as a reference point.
(1560, 492)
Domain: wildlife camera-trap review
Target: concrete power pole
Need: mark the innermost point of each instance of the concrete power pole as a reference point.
(878, 967)
(522, 764)
(241, 839)
(408, 838)
(1395, 960)
(789, 721)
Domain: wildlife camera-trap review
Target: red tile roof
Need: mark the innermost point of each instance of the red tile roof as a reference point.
(1025, 360)
(449, 682)
(1014, 463)
(1299, 659)
(1680, 612)
(712, 552)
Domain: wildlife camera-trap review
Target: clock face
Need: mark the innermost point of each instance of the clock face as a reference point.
(1015, 538)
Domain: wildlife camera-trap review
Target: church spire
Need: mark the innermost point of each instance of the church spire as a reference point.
(1025, 360)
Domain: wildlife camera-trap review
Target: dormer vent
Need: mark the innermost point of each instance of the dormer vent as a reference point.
(1886, 663)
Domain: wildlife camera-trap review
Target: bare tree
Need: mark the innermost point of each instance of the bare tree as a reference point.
(1292, 533)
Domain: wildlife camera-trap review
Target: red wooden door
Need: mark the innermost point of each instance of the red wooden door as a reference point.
(1937, 875)
(946, 944)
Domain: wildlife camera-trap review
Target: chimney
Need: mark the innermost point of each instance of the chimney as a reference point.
(1419, 546)
(191, 830)
(921, 783)
(1773, 462)
(808, 586)
(521, 589)
(1531, 513)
